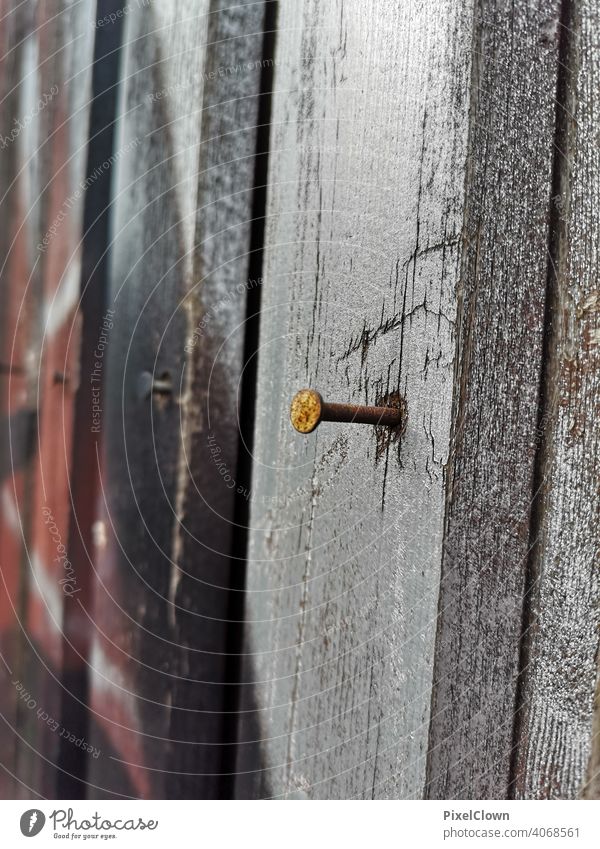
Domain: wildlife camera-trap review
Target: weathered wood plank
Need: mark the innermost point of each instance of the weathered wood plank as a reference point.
(178, 288)
(362, 260)
(18, 408)
(65, 45)
(500, 341)
(84, 475)
(53, 44)
(563, 627)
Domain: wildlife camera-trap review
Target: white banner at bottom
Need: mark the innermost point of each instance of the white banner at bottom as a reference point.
(290, 825)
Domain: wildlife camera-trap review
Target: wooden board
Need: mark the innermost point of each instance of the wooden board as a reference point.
(495, 438)
(368, 157)
(84, 479)
(49, 53)
(563, 625)
(18, 409)
(182, 209)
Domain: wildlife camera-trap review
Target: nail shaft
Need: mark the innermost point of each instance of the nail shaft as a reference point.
(358, 414)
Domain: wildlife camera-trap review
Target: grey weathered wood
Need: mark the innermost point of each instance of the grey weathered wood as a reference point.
(180, 264)
(555, 739)
(495, 438)
(362, 261)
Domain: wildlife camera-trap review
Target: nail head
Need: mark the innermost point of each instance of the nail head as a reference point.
(306, 410)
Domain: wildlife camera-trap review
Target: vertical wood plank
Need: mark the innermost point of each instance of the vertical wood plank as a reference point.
(368, 153)
(54, 45)
(500, 340)
(64, 54)
(84, 477)
(187, 133)
(18, 410)
(563, 625)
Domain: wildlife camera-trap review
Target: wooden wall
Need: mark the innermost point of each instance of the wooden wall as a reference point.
(375, 199)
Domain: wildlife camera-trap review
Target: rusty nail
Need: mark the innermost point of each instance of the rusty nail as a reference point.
(308, 410)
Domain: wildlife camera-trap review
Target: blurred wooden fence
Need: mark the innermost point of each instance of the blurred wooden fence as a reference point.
(208, 206)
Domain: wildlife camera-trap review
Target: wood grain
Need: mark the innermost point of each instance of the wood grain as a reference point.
(187, 138)
(368, 157)
(563, 626)
(495, 421)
